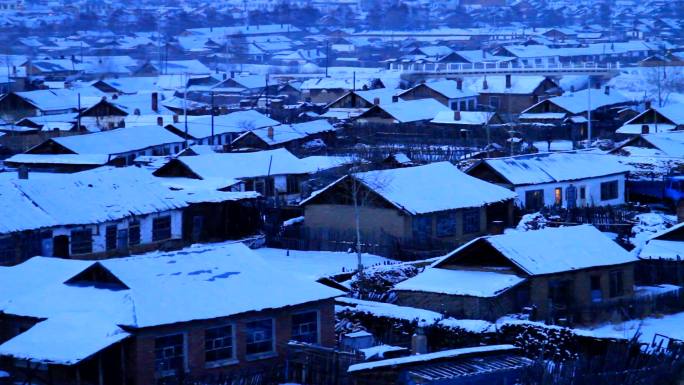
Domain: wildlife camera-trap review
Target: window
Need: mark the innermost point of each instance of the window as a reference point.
(583, 193)
(596, 292)
(558, 196)
(471, 221)
(292, 184)
(259, 337)
(218, 344)
(534, 199)
(560, 292)
(133, 233)
(421, 227)
(110, 237)
(81, 241)
(446, 224)
(161, 228)
(169, 354)
(494, 102)
(471, 105)
(609, 190)
(616, 284)
(305, 327)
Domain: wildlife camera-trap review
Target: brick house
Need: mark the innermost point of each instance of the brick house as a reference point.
(503, 274)
(427, 207)
(510, 95)
(198, 313)
(448, 92)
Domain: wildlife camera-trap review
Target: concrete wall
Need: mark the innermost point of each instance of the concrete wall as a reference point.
(593, 191)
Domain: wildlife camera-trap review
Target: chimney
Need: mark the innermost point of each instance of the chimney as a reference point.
(270, 132)
(155, 101)
(648, 104)
(175, 118)
(459, 84)
(160, 121)
(606, 90)
(225, 76)
(115, 96)
(395, 98)
(508, 81)
(232, 74)
(23, 172)
(457, 115)
(484, 84)
(376, 101)
(419, 342)
(644, 129)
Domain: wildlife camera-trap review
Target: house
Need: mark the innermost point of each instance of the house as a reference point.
(491, 276)
(426, 207)
(472, 121)
(141, 320)
(121, 145)
(661, 258)
(17, 105)
(119, 210)
(327, 90)
(479, 365)
(316, 134)
(565, 180)
(173, 67)
(273, 173)
(448, 92)
(401, 112)
(509, 94)
(574, 107)
(651, 157)
(103, 115)
(220, 129)
(655, 120)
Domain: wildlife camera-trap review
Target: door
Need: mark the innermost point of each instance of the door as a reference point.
(197, 226)
(60, 246)
(46, 246)
(571, 197)
(122, 239)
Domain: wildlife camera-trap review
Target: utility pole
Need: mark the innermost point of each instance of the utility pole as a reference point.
(589, 112)
(212, 118)
(185, 112)
(327, 57)
(78, 121)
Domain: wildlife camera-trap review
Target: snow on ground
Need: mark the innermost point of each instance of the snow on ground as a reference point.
(669, 325)
(316, 264)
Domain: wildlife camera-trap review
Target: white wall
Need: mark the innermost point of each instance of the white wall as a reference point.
(593, 191)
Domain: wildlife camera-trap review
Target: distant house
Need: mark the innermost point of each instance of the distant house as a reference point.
(290, 136)
(502, 274)
(140, 320)
(121, 145)
(401, 112)
(175, 67)
(225, 128)
(427, 207)
(327, 90)
(17, 105)
(512, 94)
(655, 120)
(118, 210)
(103, 115)
(466, 120)
(275, 174)
(557, 179)
(448, 92)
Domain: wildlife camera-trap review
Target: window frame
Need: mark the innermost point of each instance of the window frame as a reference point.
(183, 356)
(439, 221)
(77, 248)
(610, 190)
(466, 218)
(318, 325)
(222, 361)
(159, 235)
(134, 229)
(616, 283)
(261, 354)
(558, 196)
(538, 195)
(110, 244)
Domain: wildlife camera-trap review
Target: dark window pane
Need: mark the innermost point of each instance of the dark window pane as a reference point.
(81, 241)
(446, 224)
(305, 327)
(111, 237)
(471, 221)
(218, 343)
(161, 228)
(259, 336)
(134, 233)
(169, 354)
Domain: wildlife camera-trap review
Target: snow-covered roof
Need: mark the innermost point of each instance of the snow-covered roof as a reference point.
(235, 122)
(64, 159)
(460, 282)
(103, 194)
(580, 101)
(554, 167)
(449, 89)
(118, 141)
(497, 84)
(467, 118)
(407, 111)
(574, 248)
(238, 165)
(667, 244)
(284, 133)
(428, 357)
(430, 188)
(156, 289)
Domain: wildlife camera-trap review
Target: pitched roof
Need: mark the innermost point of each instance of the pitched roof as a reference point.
(430, 188)
(554, 167)
(407, 111)
(118, 141)
(580, 101)
(460, 282)
(159, 289)
(284, 133)
(574, 248)
(235, 122)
